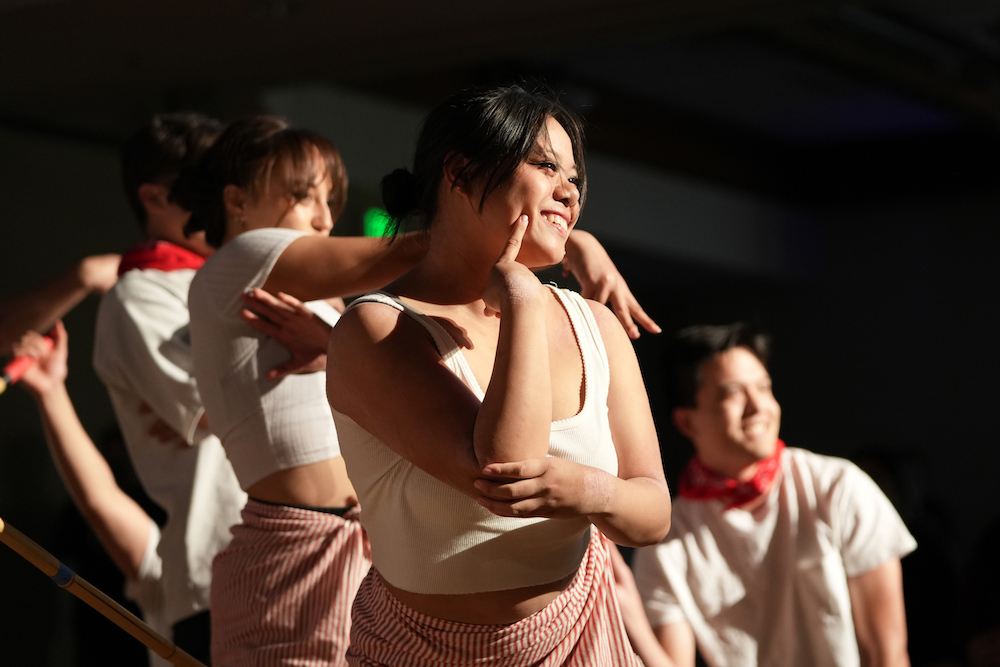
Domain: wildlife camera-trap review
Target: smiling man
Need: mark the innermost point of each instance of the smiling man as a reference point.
(776, 556)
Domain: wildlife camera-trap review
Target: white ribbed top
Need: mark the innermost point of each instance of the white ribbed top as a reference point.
(427, 537)
(264, 425)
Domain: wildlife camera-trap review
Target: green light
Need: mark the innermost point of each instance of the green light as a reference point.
(377, 222)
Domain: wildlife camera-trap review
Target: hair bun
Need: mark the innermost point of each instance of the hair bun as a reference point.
(400, 193)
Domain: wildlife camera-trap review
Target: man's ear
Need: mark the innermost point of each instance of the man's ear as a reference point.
(154, 197)
(683, 420)
(234, 199)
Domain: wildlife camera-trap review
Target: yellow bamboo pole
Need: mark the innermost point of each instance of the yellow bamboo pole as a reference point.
(66, 578)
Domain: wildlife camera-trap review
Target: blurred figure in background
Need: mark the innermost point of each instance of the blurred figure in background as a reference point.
(124, 529)
(775, 556)
(142, 354)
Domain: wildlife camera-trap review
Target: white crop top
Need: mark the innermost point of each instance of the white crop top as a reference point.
(264, 425)
(427, 537)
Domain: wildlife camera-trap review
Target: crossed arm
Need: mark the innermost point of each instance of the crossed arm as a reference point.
(495, 451)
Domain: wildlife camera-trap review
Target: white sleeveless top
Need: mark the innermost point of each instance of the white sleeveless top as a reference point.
(264, 425)
(427, 537)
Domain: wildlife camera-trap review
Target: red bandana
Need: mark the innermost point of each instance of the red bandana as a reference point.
(699, 482)
(162, 255)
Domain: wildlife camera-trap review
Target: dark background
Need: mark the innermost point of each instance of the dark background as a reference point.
(826, 170)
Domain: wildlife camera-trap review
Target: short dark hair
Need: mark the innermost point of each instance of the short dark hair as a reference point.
(494, 129)
(248, 154)
(693, 346)
(161, 149)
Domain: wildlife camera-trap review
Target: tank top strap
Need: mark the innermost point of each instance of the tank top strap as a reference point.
(588, 335)
(446, 346)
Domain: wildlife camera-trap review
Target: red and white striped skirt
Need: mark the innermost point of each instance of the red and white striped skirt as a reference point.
(282, 590)
(582, 626)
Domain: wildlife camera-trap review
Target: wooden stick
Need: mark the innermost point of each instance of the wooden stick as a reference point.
(119, 615)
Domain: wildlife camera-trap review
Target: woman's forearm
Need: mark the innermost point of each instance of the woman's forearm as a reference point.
(514, 421)
(313, 268)
(636, 511)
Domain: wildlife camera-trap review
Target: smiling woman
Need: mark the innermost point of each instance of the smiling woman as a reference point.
(495, 429)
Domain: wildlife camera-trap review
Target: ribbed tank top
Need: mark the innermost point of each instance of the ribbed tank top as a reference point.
(426, 536)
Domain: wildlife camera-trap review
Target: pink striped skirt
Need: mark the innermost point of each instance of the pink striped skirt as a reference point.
(582, 626)
(282, 590)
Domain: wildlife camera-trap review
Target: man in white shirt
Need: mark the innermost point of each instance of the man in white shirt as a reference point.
(775, 556)
(142, 353)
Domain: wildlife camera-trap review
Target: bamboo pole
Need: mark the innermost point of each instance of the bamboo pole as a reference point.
(67, 579)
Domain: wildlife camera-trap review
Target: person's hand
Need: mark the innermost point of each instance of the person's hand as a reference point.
(288, 321)
(161, 430)
(628, 593)
(50, 370)
(600, 280)
(99, 273)
(550, 487)
(510, 283)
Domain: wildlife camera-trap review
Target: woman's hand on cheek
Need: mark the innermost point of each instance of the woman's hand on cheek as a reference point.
(510, 283)
(549, 487)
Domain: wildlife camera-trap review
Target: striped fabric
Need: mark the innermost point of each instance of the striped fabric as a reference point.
(283, 588)
(582, 626)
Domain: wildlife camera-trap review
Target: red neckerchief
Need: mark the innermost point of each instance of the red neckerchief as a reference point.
(161, 255)
(699, 482)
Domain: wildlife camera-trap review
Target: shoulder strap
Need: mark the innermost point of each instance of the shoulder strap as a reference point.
(585, 326)
(450, 353)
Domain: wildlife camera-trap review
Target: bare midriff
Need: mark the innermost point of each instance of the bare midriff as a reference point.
(320, 484)
(488, 608)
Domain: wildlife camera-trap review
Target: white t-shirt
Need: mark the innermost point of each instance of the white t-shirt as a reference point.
(142, 353)
(147, 592)
(265, 425)
(769, 586)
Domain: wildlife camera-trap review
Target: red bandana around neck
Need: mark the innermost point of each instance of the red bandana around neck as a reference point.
(699, 482)
(161, 255)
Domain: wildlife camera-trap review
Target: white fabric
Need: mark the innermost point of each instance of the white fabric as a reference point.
(142, 353)
(769, 586)
(265, 425)
(427, 537)
(146, 590)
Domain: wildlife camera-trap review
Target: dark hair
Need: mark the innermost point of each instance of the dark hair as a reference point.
(494, 129)
(254, 153)
(693, 346)
(161, 149)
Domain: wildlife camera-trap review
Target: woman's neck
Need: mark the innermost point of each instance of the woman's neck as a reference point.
(454, 271)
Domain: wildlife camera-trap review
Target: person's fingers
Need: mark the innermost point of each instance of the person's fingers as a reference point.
(513, 246)
(624, 315)
(274, 311)
(281, 370)
(293, 303)
(645, 320)
(516, 469)
(530, 507)
(508, 491)
(262, 325)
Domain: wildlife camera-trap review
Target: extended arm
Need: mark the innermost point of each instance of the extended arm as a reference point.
(601, 281)
(879, 615)
(314, 267)
(39, 308)
(121, 525)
